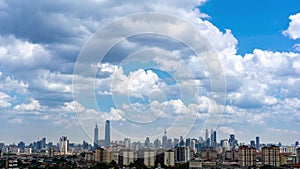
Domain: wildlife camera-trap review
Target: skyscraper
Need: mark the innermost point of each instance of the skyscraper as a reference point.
(96, 139)
(63, 145)
(107, 133)
(257, 143)
(214, 140)
(206, 138)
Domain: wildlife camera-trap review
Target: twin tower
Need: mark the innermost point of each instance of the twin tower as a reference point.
(106, 140)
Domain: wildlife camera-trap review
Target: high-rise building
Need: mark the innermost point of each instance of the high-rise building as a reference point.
(206, 138)
(164, 139)
(211, 137)
(176, 142)
(107, 133)
(232, 141)
(252, 143)
(63, 145)
(147, 142)
(247, 156)
(181, 142)
(270, 156)
(96, 138)
(214, 140)
(157, 143)
(257, 143)
(43, 142)
(182, 154)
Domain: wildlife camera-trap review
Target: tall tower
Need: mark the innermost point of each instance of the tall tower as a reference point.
(107, 133)
(63, 145)
(214, 140)
(206, 138)
(257, 143)
(96, 139)
(211, 137)
(164, 139)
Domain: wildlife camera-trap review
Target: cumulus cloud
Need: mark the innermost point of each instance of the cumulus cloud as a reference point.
(20, 55)
(139, 83)
(293, 30)
(33, 107)
(4, 100)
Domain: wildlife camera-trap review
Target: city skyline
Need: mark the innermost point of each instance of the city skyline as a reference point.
(184, 67)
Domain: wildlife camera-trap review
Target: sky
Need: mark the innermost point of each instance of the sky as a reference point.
(181, 65)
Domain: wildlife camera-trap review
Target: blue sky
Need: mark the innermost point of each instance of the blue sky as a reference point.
(52, 83)
(255, 24)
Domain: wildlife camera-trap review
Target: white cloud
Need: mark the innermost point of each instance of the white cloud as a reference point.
(293, 30)
(34, 105)
(4, 100)
(12, 85)
(139, 83)
(18, 55)
(52, 81)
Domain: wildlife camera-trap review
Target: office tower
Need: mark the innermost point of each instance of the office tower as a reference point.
(270, 156)
(157, 143)
(64, 145)
(206, 138)
(181, 142)
(96, 139)
(176, 142)
(211, 137)
(43, 142)
(127, 143)
(214, 140)
(147, 142)
(247, 156)
(107, 133)
(169, 143)
(164, 139)
(188, 142)
(193, 145)
(21, 145)
(232, 141)
(182, 154)
(257, 143)
(252, 143)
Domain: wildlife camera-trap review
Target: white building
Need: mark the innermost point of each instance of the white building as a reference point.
(149, 158)
(169, 160)
(128, 157)
(63, 145)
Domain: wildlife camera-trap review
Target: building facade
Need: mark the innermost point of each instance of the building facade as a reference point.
(247, 156)
(270, 156)
(107, 133)
(169, 160)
